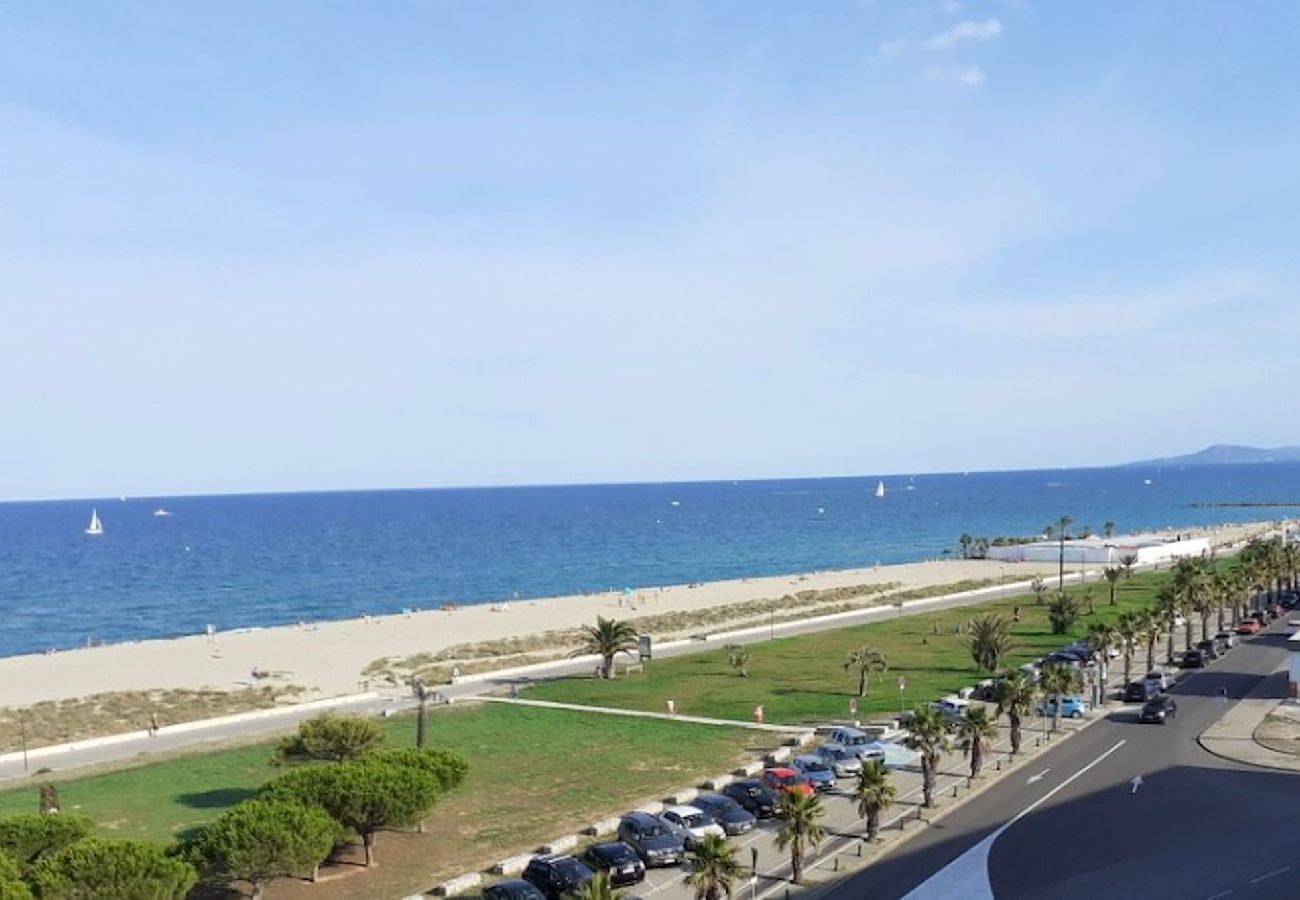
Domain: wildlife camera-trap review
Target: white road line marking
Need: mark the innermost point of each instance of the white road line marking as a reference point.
(1268, 875)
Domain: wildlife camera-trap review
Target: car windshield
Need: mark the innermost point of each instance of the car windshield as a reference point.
(655, 830)
(698, 820)
(613, 854)
(815, 765)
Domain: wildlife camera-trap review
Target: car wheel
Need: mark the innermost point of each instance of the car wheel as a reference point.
(1075, 714)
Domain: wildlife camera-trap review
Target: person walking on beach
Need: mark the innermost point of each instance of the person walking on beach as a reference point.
(153, 724)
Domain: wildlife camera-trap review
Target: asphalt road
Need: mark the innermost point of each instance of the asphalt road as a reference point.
(1195, 826)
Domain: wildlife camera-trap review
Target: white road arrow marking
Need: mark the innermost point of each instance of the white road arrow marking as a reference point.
(1038, 777)
(1137, 783)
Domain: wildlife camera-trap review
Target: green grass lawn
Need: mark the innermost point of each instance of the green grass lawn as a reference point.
(802, 679)
(535, 773)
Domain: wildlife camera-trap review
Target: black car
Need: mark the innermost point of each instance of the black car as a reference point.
(733, 817)
(557, 875)
(1159, 710)
(1193, 659)
(514, 889)
(1140, 691)
(756, 797)
(651, 839)
(618, 860)
(1209, 649)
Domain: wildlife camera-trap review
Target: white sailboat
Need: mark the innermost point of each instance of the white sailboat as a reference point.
(880, 489)
(161, 513)
(95, 526)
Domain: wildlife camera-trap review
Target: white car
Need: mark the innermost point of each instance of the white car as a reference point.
(691, 824)
(841, 759)
(952, 708)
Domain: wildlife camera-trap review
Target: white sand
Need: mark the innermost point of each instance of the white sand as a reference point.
(328, 657)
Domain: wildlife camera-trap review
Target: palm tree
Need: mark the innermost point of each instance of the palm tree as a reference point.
(714, 870)
(598, 888)
(964, 542)
(1225, 593)
(606, 639)
(1059, 681)
(1150, 628)
(1101, 638)
(1112, 575)
(1165, 610)
(974, 734)
(421, 692)
(1127, 562)
(738, 657)
(989, 641)
(873, 794)
(798, 814)
(863, 662)
(1015, 695)
(928, 734)
(1190, 584)
(1048, 531)
(1108, 529)
(1085, 532)
(1127, 631)
(1062, 524)
(1039, 587)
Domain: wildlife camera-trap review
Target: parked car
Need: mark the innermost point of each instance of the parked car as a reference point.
(733, 817)
(557, 875)
(1059, 660)
(1162, 681)
(820, 773)
(1140, 691)
(855, 740)
(651, 839)
(1193, 659)
(1259, 616)
(618, 860)
(691, 824)
(1249, 626)
(785, 780)
(1179, 620)
(514, 889)
(1208, 649)
(1159, 710)
(754, 797)
(1220, 644)
(1071, 707)
(951, 708)
(842, 760)
(986, 690)
(1032, 672)
(1227, 638)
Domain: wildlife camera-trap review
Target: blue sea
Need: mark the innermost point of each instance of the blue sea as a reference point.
(268, 559)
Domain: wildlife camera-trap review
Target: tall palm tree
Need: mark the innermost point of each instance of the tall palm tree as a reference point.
(1190, 584)
(873, 794)
(989, 641)
(1127, 562)
(1062, 525)
(1149, 624)
(863, 662)
(1101, 638)
(1166, 609)
(1039, 587)
(713, 869)
(606, 639)
(738, 657)
(598, 888)
(1058, 681)
(1127, 631)
(928, 735)
(975, 733)
(799, 815)
(1112, 575)
(1108, 529)
(1015, 695)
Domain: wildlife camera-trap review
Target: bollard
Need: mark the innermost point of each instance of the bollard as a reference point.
(999, 764)
(954, 790)
(860, 849)
(837, 864)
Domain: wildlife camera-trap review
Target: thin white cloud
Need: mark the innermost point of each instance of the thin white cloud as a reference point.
(892, 48)
(965, 31)
(966, 76)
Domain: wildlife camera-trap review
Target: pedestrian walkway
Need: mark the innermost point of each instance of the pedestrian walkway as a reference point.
(1233, 736)
(642, 714)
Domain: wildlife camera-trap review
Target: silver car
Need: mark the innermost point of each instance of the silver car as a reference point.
(843, 761)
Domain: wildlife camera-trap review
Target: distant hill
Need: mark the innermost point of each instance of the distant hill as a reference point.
(1227, 454)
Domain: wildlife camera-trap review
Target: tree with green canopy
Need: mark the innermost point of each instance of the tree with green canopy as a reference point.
(449, 767)
(365, 795)
(330, 738)
(259, 840)
(989, 641)
(862, 663)
(800, 817)
(28, 837)
(606, 639)
(873, 793)
(96, 868)
(12, 887)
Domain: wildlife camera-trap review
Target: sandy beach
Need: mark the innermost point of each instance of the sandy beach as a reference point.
(328, 658)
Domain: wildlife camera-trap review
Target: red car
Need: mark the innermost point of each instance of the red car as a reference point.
(787, 781)
(1248, 626)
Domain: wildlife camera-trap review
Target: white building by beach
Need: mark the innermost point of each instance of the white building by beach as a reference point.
(1103, 551)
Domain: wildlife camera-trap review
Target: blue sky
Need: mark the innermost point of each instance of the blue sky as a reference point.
(283, 246)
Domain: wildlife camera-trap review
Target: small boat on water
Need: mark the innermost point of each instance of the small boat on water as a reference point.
(160, 512)
(880, 489)
(95, 526)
